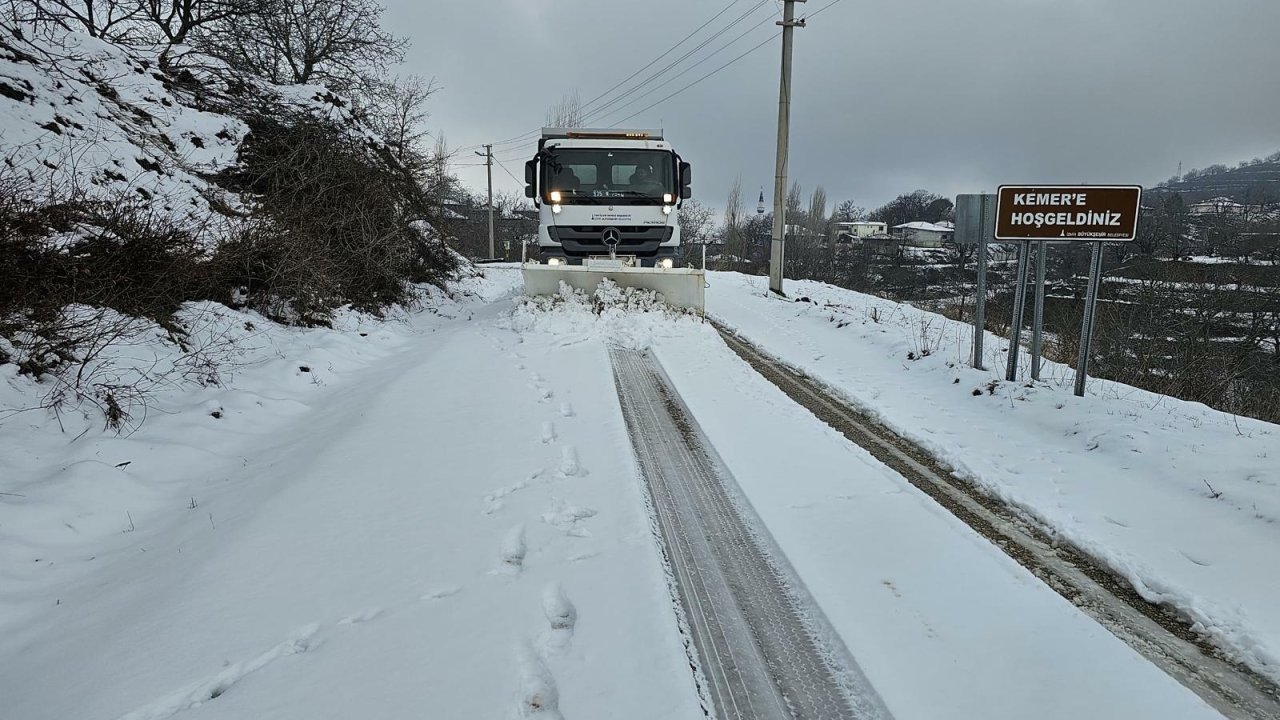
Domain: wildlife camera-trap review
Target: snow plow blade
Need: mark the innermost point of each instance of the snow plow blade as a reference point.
(679, 287)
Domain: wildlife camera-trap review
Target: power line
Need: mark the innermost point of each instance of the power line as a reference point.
(686, 71)
(529, 135)
(713, 72)
(513, 177)
(695, 82)
(668, 52)
(824, 7)
(677, 61)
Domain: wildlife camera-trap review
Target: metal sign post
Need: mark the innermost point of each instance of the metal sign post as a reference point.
(1019, 310)
(980, 305)
(1037, 324)
(976, 224)
(1086, 327)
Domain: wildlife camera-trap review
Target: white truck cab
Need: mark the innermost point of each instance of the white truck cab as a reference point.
(607, 195)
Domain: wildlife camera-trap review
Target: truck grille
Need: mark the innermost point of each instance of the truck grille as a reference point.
(640, 240)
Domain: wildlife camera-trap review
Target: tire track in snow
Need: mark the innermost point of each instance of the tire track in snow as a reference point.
(755, 639)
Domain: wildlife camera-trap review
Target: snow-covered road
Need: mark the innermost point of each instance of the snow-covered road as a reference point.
(461, 530)
(460, 533)
(765, 650)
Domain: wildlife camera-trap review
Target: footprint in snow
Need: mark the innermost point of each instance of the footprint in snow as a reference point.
(442, 592)
(548, 432)
(560, 612)
(362, 616)
(569, 465)
(1201, 561)
(513, 549)
(566, 410)
(561, 616)
(568, 518)
(538, 697)
(216, 685)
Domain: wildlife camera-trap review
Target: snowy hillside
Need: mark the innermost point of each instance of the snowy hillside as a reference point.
(86, 116)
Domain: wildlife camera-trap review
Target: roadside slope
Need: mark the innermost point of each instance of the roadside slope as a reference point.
(1122, 473)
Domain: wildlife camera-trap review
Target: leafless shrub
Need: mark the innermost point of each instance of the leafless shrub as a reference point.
(927, 333)
(338, 221)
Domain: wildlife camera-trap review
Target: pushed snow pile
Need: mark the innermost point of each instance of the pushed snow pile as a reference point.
(627, 317)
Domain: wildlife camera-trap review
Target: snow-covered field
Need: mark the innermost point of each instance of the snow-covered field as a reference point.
(1181, 499)
(440, 515)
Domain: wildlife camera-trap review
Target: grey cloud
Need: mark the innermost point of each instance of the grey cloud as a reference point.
(889, 96)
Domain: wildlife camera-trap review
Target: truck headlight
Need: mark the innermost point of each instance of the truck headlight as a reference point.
(555, 196)
(667, 198)
(553, 261)
(667, 263)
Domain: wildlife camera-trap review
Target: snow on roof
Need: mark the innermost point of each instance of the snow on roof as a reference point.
(920, 225)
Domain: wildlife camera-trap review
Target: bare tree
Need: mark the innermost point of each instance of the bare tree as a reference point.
(697, 224)
(107, 19)
(397, 109)
(816, 221)
(567, 113)
(733, 221)
(336, 42)
(794, 204)
(175, 20)
(849, 211)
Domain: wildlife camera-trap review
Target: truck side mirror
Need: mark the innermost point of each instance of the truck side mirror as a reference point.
(530, 178)
(686, 179)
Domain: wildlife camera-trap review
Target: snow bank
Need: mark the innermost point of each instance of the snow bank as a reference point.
(627, 317)
(67, 480)
(1124, 474)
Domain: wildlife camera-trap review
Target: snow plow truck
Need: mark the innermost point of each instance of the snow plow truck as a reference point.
(609, 207)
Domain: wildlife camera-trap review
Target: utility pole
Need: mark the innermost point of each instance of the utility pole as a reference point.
(488, 161)
(777, 247)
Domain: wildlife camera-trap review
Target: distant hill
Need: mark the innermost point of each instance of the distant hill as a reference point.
(1247, 183)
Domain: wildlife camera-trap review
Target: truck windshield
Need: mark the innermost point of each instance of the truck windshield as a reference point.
(620, 177)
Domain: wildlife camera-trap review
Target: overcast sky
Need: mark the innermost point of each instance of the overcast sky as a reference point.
(889, 95)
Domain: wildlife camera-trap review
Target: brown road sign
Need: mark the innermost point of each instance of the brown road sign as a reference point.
(1068, 212)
